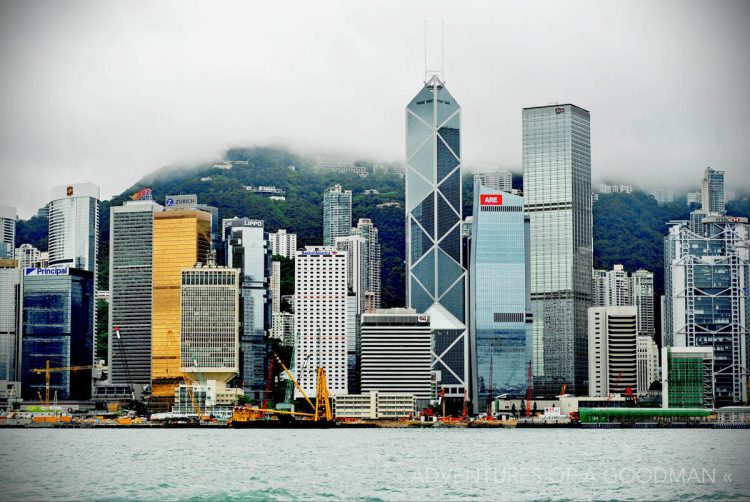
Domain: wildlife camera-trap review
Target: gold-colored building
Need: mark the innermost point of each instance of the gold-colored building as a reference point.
(182, 238)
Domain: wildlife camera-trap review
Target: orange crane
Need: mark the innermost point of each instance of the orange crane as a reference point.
(47, 370)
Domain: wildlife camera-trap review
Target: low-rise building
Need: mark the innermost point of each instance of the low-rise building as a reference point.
(375, 405)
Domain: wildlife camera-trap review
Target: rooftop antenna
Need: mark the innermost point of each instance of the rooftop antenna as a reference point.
(440, 73)
(442, 37)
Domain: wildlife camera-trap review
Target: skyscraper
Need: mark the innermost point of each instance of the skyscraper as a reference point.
(9, 339)
(181, 239)
(712, 191)
(74, 226)
(642, 292)
(321, 318)
(497, 180)
(7, 232)
(283, 244)
(250, 251)
(611, 288)
(131, 249)
(557, 196)
(648, 363)
(612, 350)
(705, 297)
(369, 232)
(436, 280)
(337, 214)
(500, 307)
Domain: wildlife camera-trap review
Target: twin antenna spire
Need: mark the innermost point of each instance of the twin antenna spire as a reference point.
(429, 74)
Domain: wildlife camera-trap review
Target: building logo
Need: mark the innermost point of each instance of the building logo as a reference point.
(254, 223)
(69, 191)
(36, 271)
(491, 199)
(181, 201)
(422, 318)
(559, 110)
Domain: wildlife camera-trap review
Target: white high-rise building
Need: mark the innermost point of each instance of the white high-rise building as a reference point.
(369, 233)
(10, 277)
(612, 348)
(354, 247)
(498, 180)
(647, 358)
(337, 214)
(662, 195)
(27, 256)
(321, 319)
(74, 226)
(611, 287)
(283, 328)
(275, 285)
(283, 244)
(7, 231)
(642, 294)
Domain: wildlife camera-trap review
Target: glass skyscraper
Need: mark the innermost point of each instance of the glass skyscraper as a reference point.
(712, 191)
(557, 196)
(337, 214)
(436, 282)
(500, 303)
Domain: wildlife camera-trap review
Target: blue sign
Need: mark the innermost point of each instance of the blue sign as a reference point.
(36, 271)
(170, 202)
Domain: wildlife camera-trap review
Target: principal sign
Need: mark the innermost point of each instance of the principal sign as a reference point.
(35, 271)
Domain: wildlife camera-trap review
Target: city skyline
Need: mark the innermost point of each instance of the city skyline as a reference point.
(94, 117)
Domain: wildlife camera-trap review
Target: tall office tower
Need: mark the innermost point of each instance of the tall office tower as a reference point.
(57, 325)
(612, 350)
(9, 296)
(557, 196)
(647, 360)
(642, 293)
(354, 246)
(687, 375)
(500, 305)
(337, 214)
(131, 255)
(706, 300)
(216, 241)
(27, 255)
(498, 180)
(210, 323)
(396, 352)
(181, 239)
(321, 319)
(598, 288)
(275, 285)
(7, 231)
(436, 279)
(74, 226)
(712, 191)
(369, 232)
(250, 251)
(283, 244)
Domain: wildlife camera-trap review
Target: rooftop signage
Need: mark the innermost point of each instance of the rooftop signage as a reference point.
(494, 199)
(181, 201)
(36, 271)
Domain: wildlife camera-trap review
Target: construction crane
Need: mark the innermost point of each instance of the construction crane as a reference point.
(125, 360)
(47, 370)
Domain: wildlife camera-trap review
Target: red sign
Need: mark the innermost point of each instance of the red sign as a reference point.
(491, 200)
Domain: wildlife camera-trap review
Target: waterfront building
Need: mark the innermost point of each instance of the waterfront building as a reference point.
(337, 214)
(705, 304)
(557, 196)
(687, 376)
(369, 232)
(27, 256)
(283, 244)
(648, 362)
(500, 306)
(642, 294)
(10, 278)
(74, 226)
(375, 405)
(498, 180)
(436, 278)
(250, 251)
(182, 238)
(395, 352)
(57, 315)
(8, 217)
(712, 191)
(612, 350)
(131, 256)
(321, 319)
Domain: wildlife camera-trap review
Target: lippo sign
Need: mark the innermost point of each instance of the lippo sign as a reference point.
(491, 199)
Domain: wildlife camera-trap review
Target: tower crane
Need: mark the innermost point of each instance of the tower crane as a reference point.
(48, 370)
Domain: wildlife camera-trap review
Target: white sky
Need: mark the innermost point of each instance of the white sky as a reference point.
(108, 91)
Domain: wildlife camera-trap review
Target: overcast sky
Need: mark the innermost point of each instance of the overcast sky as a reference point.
(107, 92)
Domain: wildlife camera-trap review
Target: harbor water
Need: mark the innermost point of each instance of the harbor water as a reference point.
(373, 464)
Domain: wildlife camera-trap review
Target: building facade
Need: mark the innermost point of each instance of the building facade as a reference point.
(57, 326)
(250, 251)
(648, 363)
(337, 214)
(283, 244)
(395, 352)
(706, 298)
(557, 196)
(131, 256)
(498, 180)
(10, 279)
(436, 278)
(687, 377)
(613, 350)
(74, 226)
(8, 217)
(500, 303)
(181, 239)
(712, 191)
(27, 256)
(642, 294)
(321, 319)
(369, 232)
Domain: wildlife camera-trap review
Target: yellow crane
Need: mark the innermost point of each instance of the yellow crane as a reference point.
(47, 370)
